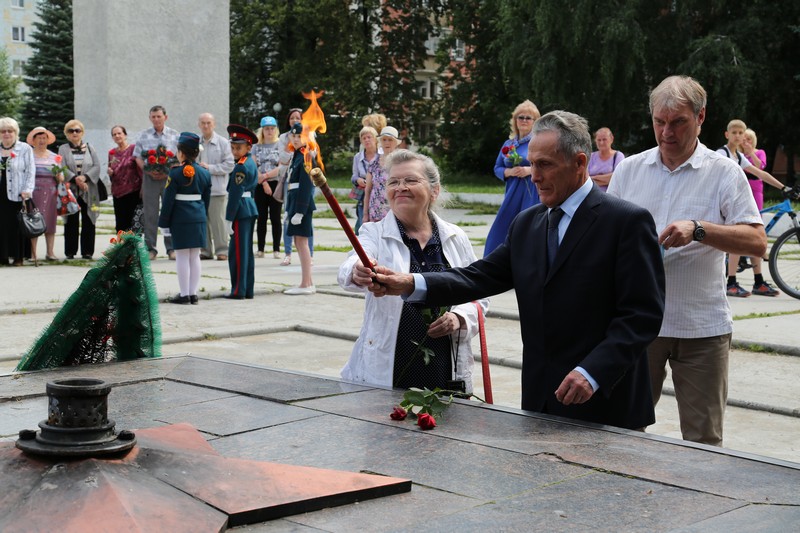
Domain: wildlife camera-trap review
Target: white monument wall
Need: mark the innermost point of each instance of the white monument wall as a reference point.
(132, 55)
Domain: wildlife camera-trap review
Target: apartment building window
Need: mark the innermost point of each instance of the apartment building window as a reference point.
(422, 89)
(18, 34)
(426, 132)
(457, 52)
(432, 44)
(427, 88)
(17, 3)
(17, 67)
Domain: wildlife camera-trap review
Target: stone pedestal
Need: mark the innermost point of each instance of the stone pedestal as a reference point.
(130, 56)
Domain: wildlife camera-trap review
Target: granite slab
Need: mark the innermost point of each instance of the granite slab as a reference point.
(482, 468)
(275, 385)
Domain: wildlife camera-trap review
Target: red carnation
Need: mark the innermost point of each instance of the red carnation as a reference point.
(170, 154)
(151, 152)
(111, 152)
(505, 150)
(162, 160)
(151, 160)
(398, 413)
(426, 421)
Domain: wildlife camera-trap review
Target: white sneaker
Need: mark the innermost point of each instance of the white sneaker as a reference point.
(301, 290)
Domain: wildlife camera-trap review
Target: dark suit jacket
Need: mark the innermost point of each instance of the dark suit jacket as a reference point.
(598, 307)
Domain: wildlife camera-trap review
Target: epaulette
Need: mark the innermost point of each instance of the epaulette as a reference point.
(242, 161)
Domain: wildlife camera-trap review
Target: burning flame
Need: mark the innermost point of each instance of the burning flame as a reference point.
(313, 121)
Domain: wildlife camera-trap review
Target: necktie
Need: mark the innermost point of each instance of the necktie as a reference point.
(553, 219)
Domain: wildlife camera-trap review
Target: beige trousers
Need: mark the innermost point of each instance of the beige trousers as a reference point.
(700, 377)
(216, 236)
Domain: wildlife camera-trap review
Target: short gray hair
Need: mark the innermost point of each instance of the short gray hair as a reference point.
(676, 91)
(572, 129)
(429, 169)
(8, 122)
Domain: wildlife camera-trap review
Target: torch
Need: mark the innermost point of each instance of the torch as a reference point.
(321, 181)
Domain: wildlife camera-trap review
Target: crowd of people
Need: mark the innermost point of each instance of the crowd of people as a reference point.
(597, 248)
(582, 236)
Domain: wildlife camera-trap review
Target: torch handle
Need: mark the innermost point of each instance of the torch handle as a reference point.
(320, 181)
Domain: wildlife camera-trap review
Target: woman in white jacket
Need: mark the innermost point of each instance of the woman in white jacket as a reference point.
(17, 181)
(400, 344)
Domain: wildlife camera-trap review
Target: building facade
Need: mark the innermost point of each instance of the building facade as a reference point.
(16, 27)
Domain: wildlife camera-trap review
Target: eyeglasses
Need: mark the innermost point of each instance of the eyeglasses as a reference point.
(411, 181)
(524, 117)
(74, 130)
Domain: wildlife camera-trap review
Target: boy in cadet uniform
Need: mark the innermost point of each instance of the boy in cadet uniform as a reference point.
(241, 213)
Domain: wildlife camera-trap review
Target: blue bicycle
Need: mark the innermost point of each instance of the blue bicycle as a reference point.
(784, 258)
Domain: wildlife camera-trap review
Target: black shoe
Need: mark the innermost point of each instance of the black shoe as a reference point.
(178, 299)
(233, 297)
(87, 257)
(70, 257)
(249, 297)
(193, 299)
(743, 265)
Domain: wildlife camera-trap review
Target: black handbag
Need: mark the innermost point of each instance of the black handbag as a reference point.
(31, 221)
(102, 192)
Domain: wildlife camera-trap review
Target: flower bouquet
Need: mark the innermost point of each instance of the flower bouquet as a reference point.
(58, 168)
(510, 152)
(10, 157)
(112, 158)
(158, 160)
(427, 405)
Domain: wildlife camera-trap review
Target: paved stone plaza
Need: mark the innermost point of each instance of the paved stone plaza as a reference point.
(481, 467)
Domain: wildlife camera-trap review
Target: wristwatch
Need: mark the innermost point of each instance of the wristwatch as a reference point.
(699, 231)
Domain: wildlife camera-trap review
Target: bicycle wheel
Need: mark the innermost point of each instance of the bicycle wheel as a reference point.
(784, 262)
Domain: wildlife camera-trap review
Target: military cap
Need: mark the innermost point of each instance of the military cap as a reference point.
(239, 134)
(189, 140)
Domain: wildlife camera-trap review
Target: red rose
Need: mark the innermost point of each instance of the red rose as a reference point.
(505, 150)
(151, 160)
(162, 160)
(170, 154)
(426, 421)
(398, 413)
(13, 155)
(111, 152)
(151, 152)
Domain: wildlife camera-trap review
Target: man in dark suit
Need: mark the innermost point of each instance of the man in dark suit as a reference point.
(589, 280)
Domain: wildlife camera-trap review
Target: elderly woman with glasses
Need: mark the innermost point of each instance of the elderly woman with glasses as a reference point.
(83, 174)
(17, 181)
(512, 167)
(400, 344)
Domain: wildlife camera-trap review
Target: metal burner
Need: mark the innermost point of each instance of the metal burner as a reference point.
(77, 423)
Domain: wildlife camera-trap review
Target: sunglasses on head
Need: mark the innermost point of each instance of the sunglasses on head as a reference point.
(74, 130)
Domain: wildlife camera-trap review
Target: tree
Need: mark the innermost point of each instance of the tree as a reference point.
(50, 99)
(401, 52)
(475, 92)
(286, 48)
(10, 99)
(587, 56)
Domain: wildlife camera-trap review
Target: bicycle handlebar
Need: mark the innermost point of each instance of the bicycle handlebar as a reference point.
(793, 193)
